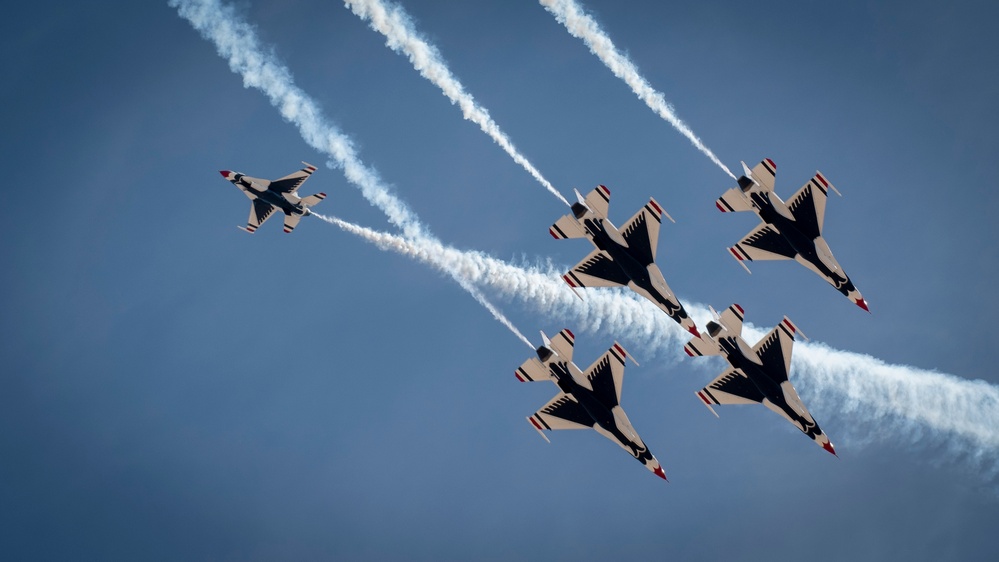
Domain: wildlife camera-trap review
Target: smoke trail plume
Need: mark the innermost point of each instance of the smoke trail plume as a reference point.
(392, 21)
(237, 42)
(582, 25)
(422, 249)
(912, 403)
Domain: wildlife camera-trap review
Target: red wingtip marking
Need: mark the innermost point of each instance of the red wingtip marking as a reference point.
(225, 173)
(659, 472)
(517, 374)
(535, 423)
(822, 179)
(829, 447)
(604, 187)
(720, 208)
(656, 207)
(552, 232)
(863, 304)
(790, 326)
(321, 194)
(741, 311)
(567, 280)
(687, 351)
(620, 350)
(701, 396)
(771, 162)
(734, 253)
(571, 335)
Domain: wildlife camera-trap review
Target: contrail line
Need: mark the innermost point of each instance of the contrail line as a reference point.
(237, 42)
(962, 414)
(392, 21)
(582, 25)
(904, 402)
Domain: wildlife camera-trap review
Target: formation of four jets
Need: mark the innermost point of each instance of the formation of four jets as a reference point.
(625, 257)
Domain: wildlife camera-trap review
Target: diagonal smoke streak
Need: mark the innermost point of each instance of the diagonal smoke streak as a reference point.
(420, 249)
(582, 25)
(392, 21)
(962, 414)
(237, 42)
(908, 402)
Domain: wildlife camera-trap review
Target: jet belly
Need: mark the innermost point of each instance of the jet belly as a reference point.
(280, 202)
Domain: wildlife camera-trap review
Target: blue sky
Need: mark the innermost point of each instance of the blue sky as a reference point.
(174, 388)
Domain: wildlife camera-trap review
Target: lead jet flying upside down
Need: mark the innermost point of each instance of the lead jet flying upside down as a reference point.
(268, 195)
(590, 401)
(758, 374)
(624, 257)
(789, 231)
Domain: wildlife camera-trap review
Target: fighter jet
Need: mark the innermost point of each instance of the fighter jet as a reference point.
(789, 231)
(585, 401)
(757, 374)
(268, 195)
(624, 257)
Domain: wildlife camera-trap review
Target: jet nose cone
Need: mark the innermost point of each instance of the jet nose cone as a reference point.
(829, 447)
(693, 330)
(862, 303)
(225, 173)
(659, 472)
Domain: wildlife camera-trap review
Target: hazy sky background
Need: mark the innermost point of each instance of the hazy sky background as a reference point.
(173, 388)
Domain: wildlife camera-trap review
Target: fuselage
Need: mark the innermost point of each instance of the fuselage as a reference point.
(801, 243)
(771, 387)
(601, 413)
(248, 186)
(633, 268)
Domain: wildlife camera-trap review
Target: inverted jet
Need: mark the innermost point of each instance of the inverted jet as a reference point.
(590, 401)
(622, 258)
(270, 195)
(756, 375)
(790, 231)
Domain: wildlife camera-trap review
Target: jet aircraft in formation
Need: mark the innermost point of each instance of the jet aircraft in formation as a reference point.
(789, 231)
(626, 257)
(758, 374)
(590, 401)
(269, 195)
(622, 258)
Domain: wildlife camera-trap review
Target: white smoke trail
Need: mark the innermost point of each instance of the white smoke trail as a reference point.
(582, 25)
(421, 249)
(392, 21)
(962, 414)
(904, 400)
(237, 41)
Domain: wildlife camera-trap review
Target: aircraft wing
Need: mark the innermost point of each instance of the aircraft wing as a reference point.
(641, 232)
(260, 211)
(808, 206)
(598, 200)
(774, 350)
(765, 172)
(290, 222)
(733, 201)
(567, 227)
(561, 412)
(606, 375)
(732, 317)
(596, 270)
(291, 182)
(763, 243)
(731, 387)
